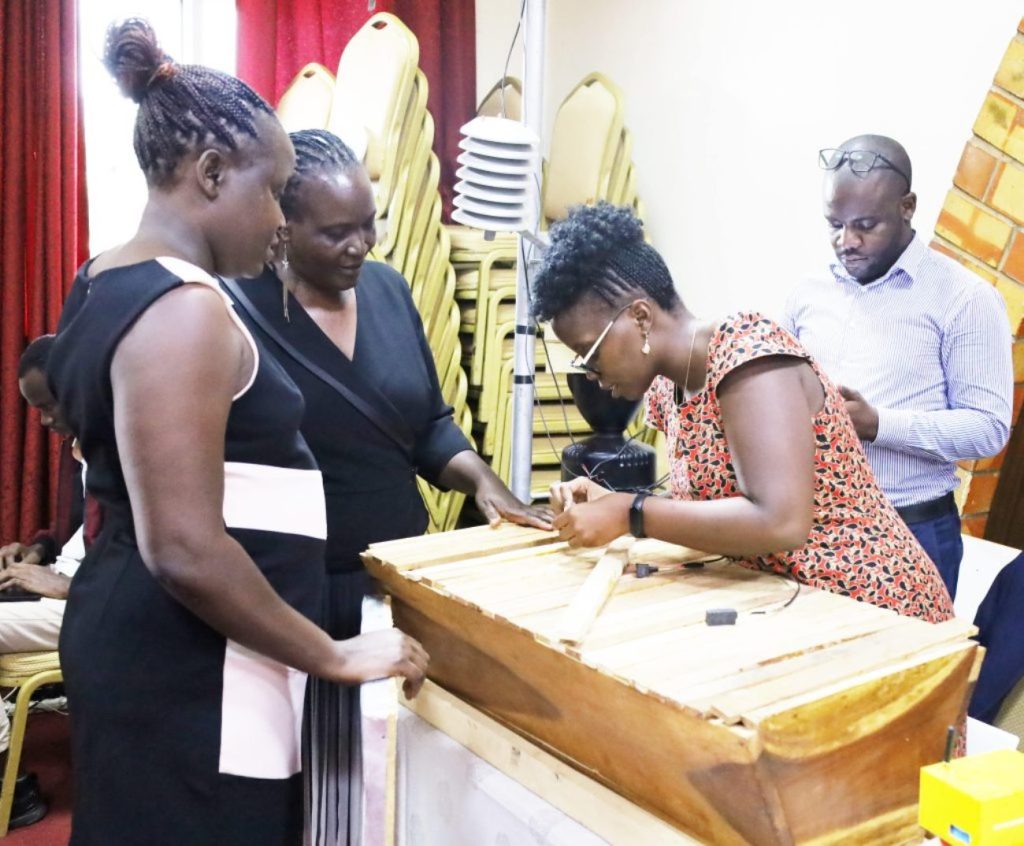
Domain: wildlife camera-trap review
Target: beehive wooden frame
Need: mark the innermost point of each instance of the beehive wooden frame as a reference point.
(804, 726)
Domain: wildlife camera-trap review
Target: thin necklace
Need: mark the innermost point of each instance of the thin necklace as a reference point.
(681, 390)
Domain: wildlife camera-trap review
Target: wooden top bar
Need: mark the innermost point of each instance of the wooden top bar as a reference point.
(652, 632)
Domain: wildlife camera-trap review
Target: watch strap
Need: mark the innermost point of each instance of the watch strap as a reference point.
(636, 515)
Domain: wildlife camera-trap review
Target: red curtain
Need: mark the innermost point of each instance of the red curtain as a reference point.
(276, 39)
(43, 234)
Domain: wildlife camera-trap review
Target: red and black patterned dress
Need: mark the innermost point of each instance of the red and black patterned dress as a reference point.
(858, 545)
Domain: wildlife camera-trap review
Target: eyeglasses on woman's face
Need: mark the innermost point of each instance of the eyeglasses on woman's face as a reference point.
(583, 363)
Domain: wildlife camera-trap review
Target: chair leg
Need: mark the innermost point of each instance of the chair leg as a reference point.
(17, 740)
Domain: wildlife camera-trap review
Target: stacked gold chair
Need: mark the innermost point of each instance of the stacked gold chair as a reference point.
(26, 672)
(372, 90)
(306, 102)
(380, 110)
(590, 159)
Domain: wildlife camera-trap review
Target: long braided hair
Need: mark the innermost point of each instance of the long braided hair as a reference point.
(599, 250)
(180, 106)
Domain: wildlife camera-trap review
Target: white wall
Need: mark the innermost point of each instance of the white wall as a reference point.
(729, 102)
(191, 31)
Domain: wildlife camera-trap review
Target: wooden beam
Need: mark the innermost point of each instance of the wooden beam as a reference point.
(607, 814)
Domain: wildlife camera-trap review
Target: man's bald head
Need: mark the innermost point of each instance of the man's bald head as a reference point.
(893, 162)
(869, 211)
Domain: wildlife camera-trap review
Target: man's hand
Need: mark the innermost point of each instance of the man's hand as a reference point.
(35, 579)
(862, 413)
(16, 552)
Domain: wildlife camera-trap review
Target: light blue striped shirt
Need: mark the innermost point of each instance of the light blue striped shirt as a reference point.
(928, 345)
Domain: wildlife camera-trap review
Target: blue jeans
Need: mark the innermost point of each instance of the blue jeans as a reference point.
(941, 539)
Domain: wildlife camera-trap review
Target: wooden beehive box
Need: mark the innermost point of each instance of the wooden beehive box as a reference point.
(807, 724)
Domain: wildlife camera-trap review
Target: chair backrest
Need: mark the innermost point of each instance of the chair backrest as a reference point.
(621, 166)
(374, 81)
(403, 148)
(306, 102)
(584, 139)
(491, 105)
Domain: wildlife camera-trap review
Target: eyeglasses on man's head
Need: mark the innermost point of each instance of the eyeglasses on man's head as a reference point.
(861, 162)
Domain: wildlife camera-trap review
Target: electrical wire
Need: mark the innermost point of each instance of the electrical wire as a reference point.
(508, 58)
(775, 609)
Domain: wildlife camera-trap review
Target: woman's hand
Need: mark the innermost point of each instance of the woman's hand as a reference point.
(594, 523)
(497, 503)
(580, 489)
(382, 654)
(469, 473)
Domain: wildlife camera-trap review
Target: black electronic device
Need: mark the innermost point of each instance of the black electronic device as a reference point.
(607, 456)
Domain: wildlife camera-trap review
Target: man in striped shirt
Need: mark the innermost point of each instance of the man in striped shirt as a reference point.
(919, 345)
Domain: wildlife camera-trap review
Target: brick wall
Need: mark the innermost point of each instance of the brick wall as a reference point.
(982, 226)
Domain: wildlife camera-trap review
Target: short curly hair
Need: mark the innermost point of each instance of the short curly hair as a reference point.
(599, 250)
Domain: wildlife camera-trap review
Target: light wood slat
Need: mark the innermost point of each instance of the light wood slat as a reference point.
(622, 602)
(545, 561)
(686, 605)
(458, 545)
(778, 632)
(621, 654)
(581, 612)
(498, 595)
(764, 661)
(602, 811)
(755, 716)
(835, 669)
(698, 643)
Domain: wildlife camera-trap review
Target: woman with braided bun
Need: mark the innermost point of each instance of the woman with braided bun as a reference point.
(191, 624)
(324, 309)
(766, 467)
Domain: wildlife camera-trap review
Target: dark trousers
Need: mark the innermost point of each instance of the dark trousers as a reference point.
(1001, 631)
(941, 539)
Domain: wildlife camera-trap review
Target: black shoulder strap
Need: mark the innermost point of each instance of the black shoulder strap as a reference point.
(400, 435)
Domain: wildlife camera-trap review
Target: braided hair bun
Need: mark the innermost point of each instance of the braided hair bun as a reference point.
(599, 250)
(134, 58)
(181, 107)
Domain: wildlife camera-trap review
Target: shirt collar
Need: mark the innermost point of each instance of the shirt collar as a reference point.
(906, 267)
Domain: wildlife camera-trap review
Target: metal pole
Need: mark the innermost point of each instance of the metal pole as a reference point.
(522, 389)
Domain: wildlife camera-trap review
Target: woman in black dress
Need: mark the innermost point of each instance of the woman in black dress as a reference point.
(355, 321)
(189, 627)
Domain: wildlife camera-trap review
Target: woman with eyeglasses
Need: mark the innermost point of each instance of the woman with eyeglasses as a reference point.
(347, 332)
(766, 467)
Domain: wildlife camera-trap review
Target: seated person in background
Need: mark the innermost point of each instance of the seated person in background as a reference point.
(355, 321)
(919, 345)
(34, 626)
(766, 467)
(44, 547)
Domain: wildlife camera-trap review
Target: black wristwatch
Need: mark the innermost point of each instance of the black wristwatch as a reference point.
(636, 516)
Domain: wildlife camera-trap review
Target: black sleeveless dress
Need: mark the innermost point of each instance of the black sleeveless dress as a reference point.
(178, 735)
